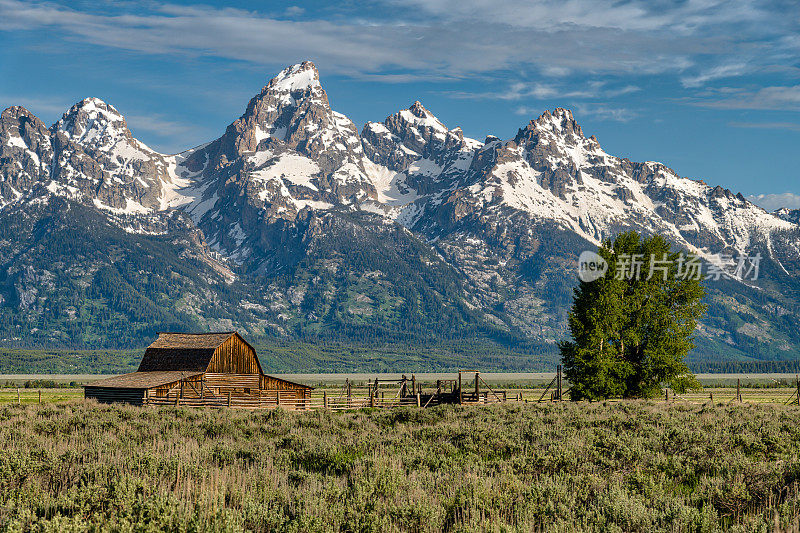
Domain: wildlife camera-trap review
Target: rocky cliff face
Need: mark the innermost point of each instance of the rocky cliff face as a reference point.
(286, 200)
(26, 154)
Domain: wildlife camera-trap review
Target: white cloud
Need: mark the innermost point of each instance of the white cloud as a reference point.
(771, 202)
(565, 42)
(170, 136)
(293, 11)
(554, 15)
(228, 33)
(541, 91)
(783, 98)
(434, 37)
(715, 73)
(792, 126)
(521, 90)
(607, 112)
(527, 111)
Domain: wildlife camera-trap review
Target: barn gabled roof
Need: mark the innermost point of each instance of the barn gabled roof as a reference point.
(185, 351)
(142, 380)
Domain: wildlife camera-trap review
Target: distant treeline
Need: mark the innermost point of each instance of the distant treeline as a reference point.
(326, 355)
(321, 355)
(315, 355)
(746, 367)
(60, 361)
(39, 384)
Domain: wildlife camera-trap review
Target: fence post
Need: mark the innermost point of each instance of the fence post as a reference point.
(419, 401)
(460, 390)
(19, 401)
(40, 395)
(558, 384)
(797, 380)
(229, 398)
(325, 399)
(278, 398)
(738, 389)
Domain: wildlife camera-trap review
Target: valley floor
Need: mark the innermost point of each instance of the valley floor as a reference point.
(623, 466)
(532, 393)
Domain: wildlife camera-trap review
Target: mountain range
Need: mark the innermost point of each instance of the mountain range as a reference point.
(295, 224)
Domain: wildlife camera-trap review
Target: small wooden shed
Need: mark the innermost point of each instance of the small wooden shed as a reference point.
(205, 368)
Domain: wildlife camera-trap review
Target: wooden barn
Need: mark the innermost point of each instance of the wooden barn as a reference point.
(198, 369)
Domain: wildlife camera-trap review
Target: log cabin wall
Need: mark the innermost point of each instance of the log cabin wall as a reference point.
(234, 356)
(292, 390)
(234, 383)
(271, 383)
(186, 388)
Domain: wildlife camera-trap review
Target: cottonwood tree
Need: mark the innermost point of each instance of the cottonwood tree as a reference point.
(632, 327)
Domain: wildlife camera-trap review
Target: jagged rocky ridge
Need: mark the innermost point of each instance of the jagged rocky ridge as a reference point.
(298, 223)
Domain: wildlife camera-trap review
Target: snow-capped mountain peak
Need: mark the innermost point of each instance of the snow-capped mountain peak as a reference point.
(559, 122)
(291, 178)
(91, 119)
(290, 151)
(415, 134)
(97, 159)
(299, 77)
(416, 115)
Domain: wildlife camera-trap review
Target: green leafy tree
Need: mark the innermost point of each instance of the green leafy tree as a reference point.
(632, 327)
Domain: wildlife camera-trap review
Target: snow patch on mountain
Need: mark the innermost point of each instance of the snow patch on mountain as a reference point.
(291, 167)
(17, 141)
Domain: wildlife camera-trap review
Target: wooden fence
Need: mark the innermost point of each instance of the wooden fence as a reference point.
(402, 392)
(272, 401)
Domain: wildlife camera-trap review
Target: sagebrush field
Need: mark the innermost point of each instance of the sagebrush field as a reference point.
(630, 466)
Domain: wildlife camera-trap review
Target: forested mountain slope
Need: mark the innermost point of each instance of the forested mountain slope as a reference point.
(293, 224)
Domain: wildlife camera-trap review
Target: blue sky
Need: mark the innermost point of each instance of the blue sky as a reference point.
(710, 88)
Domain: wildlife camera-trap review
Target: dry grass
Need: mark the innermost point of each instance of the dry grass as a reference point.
(630, 466)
